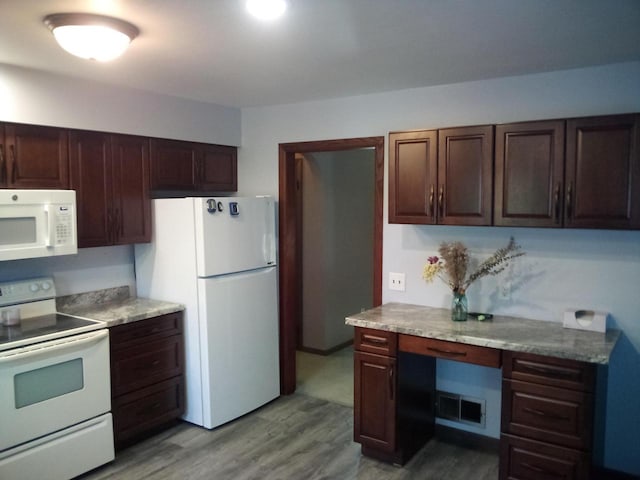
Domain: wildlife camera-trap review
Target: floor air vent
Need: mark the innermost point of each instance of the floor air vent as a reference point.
(461, 408)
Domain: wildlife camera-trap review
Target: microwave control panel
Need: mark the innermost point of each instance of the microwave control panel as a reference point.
(62, 224)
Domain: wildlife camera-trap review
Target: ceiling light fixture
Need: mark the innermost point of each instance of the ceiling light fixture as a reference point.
(266, 9)
(94, 37)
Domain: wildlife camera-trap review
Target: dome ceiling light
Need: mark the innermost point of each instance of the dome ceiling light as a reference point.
(89, 36)
(266, 9)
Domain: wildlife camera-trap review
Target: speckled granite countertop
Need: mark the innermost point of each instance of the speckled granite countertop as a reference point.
(114, 306)
(505, 333)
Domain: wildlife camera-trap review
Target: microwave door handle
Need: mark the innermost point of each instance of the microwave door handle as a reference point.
(48, 238)
(54, 346)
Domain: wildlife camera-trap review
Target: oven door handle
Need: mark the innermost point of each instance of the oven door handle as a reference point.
(53, 346)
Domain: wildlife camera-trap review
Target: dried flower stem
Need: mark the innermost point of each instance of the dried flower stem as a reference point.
(452, 265)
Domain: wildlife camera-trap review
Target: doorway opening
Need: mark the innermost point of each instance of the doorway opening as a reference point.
(291, 243)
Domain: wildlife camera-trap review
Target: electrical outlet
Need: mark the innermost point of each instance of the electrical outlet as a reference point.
(504, 290)
(396, 281)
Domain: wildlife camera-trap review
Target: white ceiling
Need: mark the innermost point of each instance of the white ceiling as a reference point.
(212, 51)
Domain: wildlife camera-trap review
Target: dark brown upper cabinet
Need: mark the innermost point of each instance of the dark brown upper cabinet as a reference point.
(413, 176)
(188, 166)
(32, 156)
(441, 177)
(603, 172)
(110, 174)
(465, 175)
(219, 170)
(529, 174)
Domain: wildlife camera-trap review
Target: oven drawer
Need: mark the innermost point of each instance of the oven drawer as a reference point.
(145, 363)
(146, 408)
(460, 352)
(163, 326)
(522, 459)
(375, 341)
(556, 372)
(549, 414)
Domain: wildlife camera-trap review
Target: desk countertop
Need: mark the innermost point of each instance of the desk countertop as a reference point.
(501, 332)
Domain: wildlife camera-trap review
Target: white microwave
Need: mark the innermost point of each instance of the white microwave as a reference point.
(37, 223)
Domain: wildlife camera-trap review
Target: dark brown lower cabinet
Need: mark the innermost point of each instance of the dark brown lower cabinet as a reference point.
(394, 404)
(547, 423)
(547, 417)
(147, 376)
(525, 459)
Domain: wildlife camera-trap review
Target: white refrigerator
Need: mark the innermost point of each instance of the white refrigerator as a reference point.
(217, 256)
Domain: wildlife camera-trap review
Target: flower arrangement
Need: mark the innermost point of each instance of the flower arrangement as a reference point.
(451, 266)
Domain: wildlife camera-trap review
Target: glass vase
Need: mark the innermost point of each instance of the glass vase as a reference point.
(459, 307)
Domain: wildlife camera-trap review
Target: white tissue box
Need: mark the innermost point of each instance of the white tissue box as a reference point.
(585, 320)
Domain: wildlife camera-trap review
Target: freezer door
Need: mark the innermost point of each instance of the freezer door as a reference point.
(239, 331)
(234, 234)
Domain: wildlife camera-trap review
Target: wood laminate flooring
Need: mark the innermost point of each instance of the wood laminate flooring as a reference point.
(329, 377)
(293, 437)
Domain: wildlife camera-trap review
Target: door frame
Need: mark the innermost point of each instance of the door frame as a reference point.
(290, 240)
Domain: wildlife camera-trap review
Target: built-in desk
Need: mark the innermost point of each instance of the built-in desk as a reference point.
(548, 389)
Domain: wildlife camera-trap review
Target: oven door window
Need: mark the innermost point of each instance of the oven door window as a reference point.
(18, 231)
(48, 382)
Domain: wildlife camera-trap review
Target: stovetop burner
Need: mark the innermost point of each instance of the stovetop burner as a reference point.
(49, 326)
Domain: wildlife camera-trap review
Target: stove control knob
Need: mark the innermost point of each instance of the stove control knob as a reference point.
(45, 286)
(34, 287)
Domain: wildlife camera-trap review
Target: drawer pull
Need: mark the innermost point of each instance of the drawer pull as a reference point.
(537, 469)
(376, 340)
(447, 352)
(542, 413)
(155, 363)
(548, 370)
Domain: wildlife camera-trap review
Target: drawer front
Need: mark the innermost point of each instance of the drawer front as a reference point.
(376, 341)
(550, 414)
(145, 364)
(123, 336)
(544, 370)
(143, 409)
(489, 357)
(522, 459)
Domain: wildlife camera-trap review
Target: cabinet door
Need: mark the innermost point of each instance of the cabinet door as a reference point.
(529, 174)
(603, 172)
(36, 157)
(375, 401)
(173, 165)
(218, 169)
(413, 176)
(3, 158)
(465, 175)
(131, 201)
(90, 157)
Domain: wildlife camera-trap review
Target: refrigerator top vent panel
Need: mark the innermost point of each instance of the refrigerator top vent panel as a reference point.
(234, 234)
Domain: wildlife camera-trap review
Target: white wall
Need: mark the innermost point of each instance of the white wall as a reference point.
(91, 269)
(31, 96)
(338, 193)
(562, 268)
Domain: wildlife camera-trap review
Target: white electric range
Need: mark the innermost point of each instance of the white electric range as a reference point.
(55, 391)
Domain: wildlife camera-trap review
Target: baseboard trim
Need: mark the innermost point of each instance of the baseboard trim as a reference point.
(467, 439)
(601, 473)
(329, 351)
